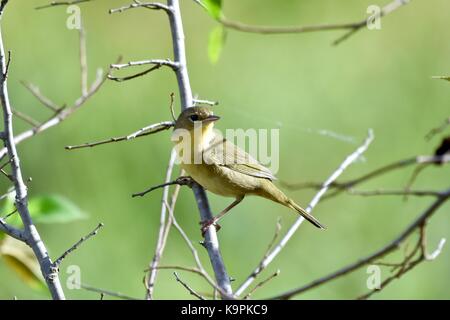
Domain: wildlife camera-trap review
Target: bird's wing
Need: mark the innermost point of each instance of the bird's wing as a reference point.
(224, 153)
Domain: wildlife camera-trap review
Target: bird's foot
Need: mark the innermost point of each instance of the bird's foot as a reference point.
(207, 223)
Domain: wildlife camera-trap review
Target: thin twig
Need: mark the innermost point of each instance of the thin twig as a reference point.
(134, 76)
(205, 102)
(61, 3)
(157, 127)
(260, 284)
(188, 288)
(158, 62)
(36, 92)
(381, 192)
(103, 291)
(160, 244)
(353, 27)
(94, 232)
(345, 185)
(437, 130)
(138, 4)
(172, 111)
(60, 113)
(25, 118)
(181, 181)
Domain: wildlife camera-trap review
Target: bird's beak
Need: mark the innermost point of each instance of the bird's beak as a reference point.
(211, 118)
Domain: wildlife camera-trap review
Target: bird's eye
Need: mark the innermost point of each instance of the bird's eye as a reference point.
(193, 117)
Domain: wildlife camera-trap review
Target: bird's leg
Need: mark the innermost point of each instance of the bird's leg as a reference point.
(207, 223)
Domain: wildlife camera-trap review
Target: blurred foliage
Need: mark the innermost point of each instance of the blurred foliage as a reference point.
(313, 92)
(216, 42)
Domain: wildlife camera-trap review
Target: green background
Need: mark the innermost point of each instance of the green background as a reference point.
(300, 83)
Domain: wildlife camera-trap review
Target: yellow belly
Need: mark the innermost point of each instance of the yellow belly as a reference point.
(221, 180)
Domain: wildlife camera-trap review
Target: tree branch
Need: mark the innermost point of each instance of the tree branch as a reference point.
(164, 228)
(353, 27)
(154, 128)
(394, 244)
(277, 249)
(138, 4)
(31, 234)
(61, 3)
(60, 114)
(188, 288)
(94, 232)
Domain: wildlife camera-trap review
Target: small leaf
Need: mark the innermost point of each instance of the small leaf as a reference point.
(46, 209)
(216, 41)
(20, 258)
(54, 209)
(214, 8)
(442, 77)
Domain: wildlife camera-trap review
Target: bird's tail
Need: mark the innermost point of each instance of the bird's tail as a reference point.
(291, 204)
(270, 191)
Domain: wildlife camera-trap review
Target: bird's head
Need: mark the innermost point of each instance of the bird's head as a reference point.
(195, 116)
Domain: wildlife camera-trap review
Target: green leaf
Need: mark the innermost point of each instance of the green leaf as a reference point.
(54, 209)
(214, 7)
(216, 41)
(20, 258)
(46, 209)
(442, 77)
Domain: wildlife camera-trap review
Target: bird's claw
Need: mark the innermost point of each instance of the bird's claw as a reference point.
(206, 224)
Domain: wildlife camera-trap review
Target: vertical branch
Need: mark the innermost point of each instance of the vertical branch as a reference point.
(211, 242)
(163, 232)
(31, 235)
(179, 52)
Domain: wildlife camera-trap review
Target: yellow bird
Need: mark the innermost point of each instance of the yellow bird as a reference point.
(221, 167)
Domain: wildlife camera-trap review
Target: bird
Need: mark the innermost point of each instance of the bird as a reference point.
(221, 167)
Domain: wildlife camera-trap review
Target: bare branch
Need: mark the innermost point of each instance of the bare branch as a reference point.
(260, 284)
(380, 192)
(60, 114)
(341, 186)
(267, 260)
(168, 63)
(205, 102)
(181, 181)
(43, 99)
(157, 127)
(104, 292)
(353, 27)
(377, 255)
(11, 230)
(437, 130)
(94, 232)
(188, 288)
(138, 4)
(172, 112)
(25, 118)
(163, 230)
(61, 3)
